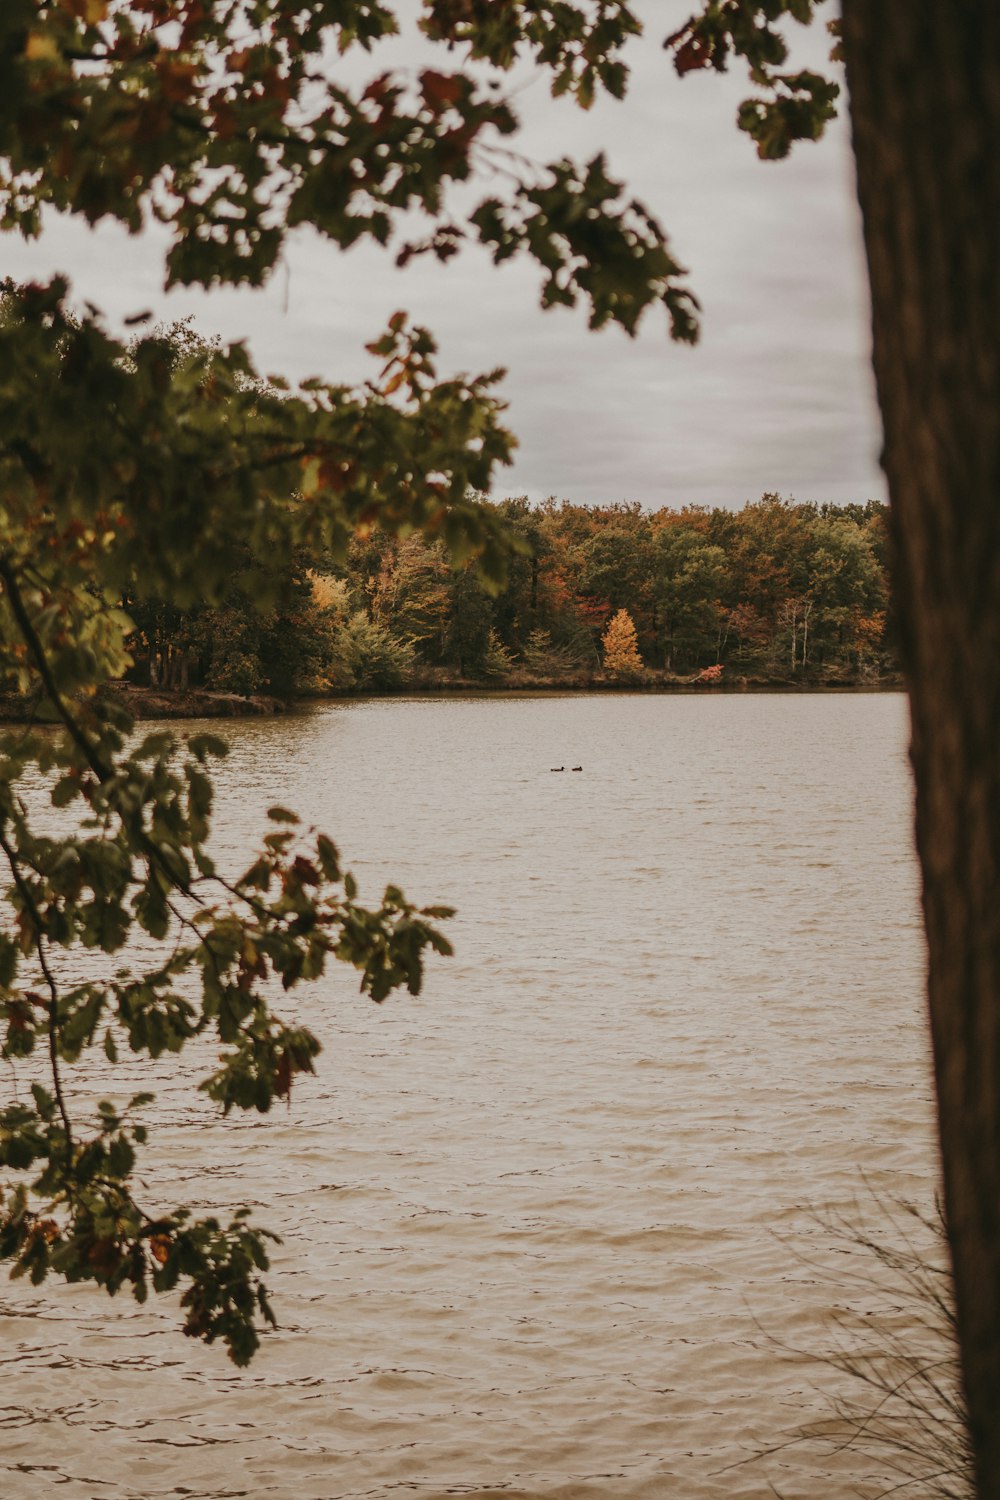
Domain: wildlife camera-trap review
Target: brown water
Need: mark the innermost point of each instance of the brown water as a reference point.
(544, 1228)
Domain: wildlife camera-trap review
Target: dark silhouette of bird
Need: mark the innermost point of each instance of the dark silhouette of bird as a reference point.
(557, 768)
(577, 768)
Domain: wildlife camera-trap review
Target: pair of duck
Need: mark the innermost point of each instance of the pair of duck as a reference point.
(562, 768)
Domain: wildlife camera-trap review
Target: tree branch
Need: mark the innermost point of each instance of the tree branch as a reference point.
(37, 650)
(24, 891)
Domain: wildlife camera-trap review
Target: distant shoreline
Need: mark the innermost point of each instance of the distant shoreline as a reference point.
(655, 686)
(155, 703)
(204, 703)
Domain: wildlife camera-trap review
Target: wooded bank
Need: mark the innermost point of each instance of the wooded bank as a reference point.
(775, 595)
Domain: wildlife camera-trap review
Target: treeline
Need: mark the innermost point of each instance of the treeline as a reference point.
(776, 592)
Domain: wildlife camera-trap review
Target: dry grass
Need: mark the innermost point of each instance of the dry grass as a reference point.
(888, 1355)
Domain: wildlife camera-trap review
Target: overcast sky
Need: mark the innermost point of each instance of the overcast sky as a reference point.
(777, 396)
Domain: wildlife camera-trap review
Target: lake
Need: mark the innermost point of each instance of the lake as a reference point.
(551, 1228)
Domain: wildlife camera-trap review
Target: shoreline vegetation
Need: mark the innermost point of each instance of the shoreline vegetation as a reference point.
(145, 703)
(776, 597)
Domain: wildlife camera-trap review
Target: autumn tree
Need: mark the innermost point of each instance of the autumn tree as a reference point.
(518, 607)
(690, 581)
(411, 595)
(236, 646)
(616, 563)
(544, 658)
(469, 625)
(621, 650)
(846, 591)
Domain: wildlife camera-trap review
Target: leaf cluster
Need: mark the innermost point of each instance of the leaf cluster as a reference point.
(226, 121)
(616, 256)
(138, 863)
(201, 459)
(578, 45)
(201, 464)
(794, 105)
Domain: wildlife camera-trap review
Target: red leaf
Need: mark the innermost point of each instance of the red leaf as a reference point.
(695, 53)
(282, 1079)
(441, 89)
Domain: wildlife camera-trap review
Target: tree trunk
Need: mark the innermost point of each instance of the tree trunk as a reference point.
(924, 79)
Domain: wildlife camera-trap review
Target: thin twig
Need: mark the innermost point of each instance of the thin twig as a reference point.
(25, 892)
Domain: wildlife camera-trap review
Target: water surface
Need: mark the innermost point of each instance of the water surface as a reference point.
(546, 1226)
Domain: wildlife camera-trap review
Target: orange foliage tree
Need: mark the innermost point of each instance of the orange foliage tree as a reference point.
(621, 653)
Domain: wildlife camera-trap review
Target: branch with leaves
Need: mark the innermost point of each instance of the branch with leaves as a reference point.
(201, 457)
(792, 105)
(227, 122)
(137, 862)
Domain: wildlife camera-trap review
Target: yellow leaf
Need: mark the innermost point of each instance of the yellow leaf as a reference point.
(310, 476)
(88, 11)
(41, 48)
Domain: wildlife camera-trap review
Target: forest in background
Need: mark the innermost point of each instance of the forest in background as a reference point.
(775, 593)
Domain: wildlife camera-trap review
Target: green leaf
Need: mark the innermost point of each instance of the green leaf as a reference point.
(282, 815)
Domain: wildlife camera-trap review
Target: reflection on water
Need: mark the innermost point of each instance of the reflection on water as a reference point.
(545, 1226)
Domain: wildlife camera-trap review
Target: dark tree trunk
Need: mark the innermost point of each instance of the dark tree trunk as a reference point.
(924, 79)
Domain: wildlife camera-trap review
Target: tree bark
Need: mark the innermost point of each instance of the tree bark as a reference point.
(924, 81)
